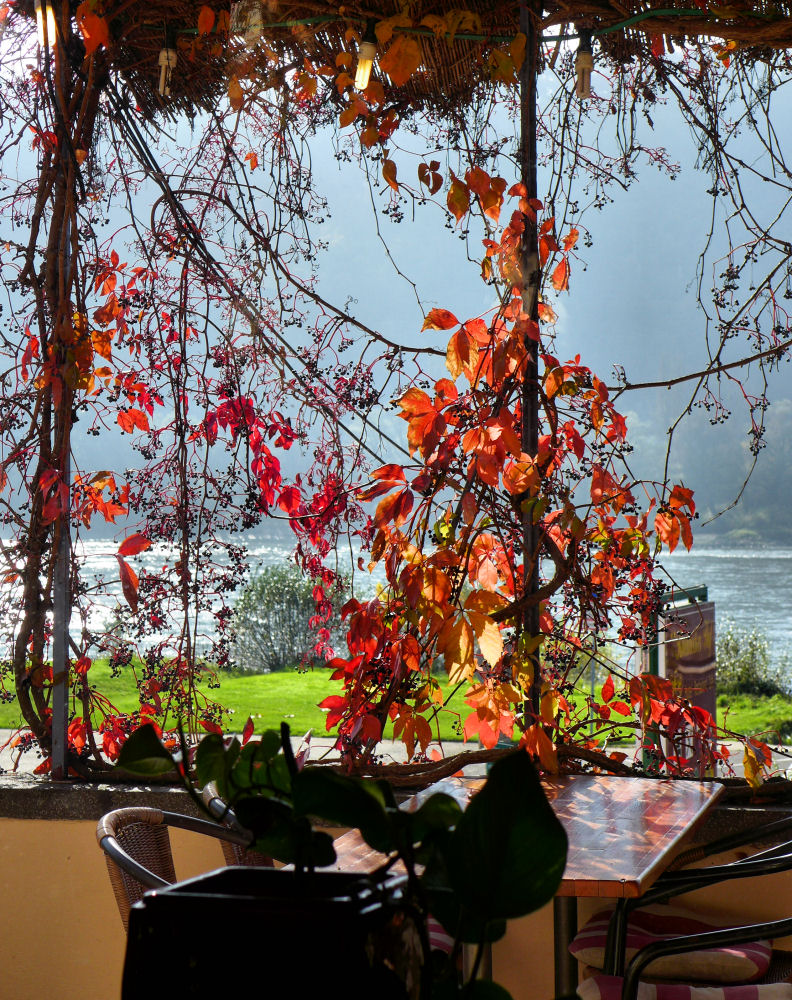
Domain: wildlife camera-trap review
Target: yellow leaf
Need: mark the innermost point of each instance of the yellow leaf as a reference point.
(547, 752)
(548, 706)
(389, 173)
(436, 24)
(384, 29)
(752, 768)
(80, 155)
(401, 60)
(456, 643)
(489, 637)
(517, 50)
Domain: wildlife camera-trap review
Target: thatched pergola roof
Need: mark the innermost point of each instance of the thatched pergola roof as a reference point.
(452, 66)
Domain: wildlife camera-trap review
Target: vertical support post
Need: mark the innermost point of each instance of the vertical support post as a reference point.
(529, 267)
(61, 311)
(565, 917)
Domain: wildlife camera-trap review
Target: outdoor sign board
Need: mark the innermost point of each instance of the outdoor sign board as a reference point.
(687, 659)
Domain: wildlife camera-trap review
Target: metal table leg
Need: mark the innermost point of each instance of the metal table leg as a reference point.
(564, 929)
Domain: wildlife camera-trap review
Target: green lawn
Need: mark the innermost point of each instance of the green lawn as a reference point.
(293, 697)
(268, 698)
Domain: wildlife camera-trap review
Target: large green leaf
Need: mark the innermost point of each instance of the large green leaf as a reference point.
(144, 754)
(347, 801)
(214, 761)
(282, 835)
(508, 851)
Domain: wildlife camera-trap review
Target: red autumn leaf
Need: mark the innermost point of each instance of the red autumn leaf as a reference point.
(211, 727)
(129, 583)
(134, 544)
(336, 706)
(461, 354)
(247, 732)
(429, 176)
(608, 690)
(439, 319)
(252, 159)
(571, 239)
(658, 46)
(206, 20)
(83, 665)
(560, 276)
(621, 707)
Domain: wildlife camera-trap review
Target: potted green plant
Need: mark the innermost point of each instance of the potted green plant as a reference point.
(472, 870)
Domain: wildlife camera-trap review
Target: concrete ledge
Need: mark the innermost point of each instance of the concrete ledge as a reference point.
(28, 797)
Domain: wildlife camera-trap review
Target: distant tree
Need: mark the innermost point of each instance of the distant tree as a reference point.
(277, 624)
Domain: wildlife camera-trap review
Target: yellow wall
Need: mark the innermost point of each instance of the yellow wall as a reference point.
(61, 936)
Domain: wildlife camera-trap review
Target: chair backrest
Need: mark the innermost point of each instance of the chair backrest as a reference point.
(235, 854)
(138, 852)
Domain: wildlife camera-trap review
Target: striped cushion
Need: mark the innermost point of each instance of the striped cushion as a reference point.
(439, 938)
(610, 988)
(732, 964)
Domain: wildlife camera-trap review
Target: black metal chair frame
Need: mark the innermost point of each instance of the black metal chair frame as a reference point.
(772, 860)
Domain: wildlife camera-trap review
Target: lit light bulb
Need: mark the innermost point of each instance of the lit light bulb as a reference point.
(167, 63)
(367, 53)
(45, 19)
(584, 64)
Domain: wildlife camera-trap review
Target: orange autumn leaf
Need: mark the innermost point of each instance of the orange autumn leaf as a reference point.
(252, 159)
(389, 173)
(560, 276)
(462, 354)
(425, 423)
(128, 420)
(235, 94)
(439, 319)
(401, 60)
(458, 199)
(667, 528)
(93, 28)
(478, 181)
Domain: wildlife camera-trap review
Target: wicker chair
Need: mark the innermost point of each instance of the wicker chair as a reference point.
(137, 850)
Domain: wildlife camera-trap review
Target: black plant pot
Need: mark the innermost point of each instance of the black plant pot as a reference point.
(323, 934)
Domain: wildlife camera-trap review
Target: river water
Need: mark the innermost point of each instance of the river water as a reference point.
(752, 588)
